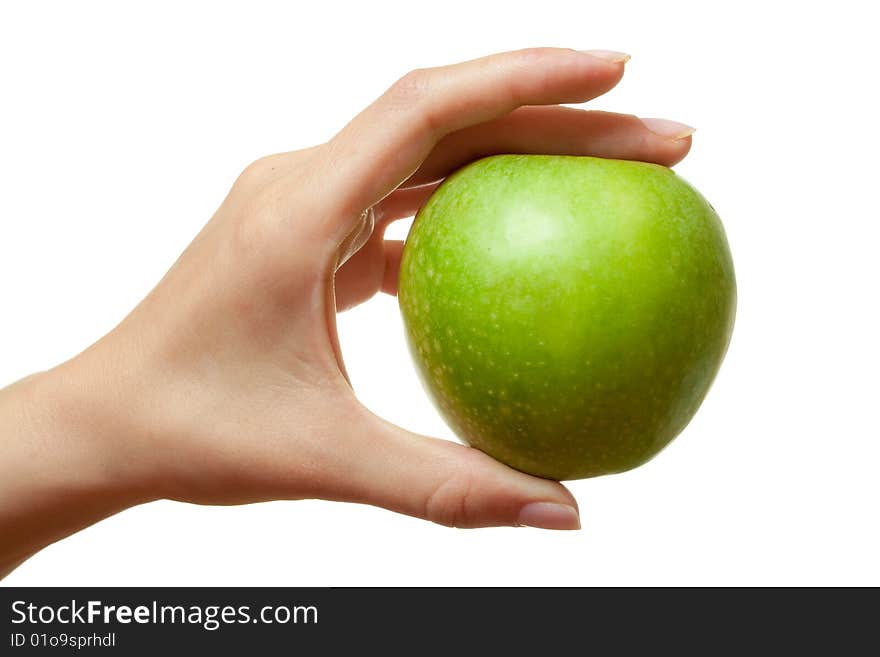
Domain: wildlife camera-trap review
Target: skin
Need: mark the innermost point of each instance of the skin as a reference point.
(567, 314)
(226, 384)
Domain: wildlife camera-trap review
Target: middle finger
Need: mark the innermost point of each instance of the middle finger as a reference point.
(557, 130)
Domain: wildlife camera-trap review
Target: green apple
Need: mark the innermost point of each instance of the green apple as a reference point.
(567, 315)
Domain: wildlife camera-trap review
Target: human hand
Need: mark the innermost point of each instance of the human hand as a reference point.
(226, 384)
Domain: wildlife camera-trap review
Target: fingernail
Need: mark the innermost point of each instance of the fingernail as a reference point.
(609, 55)
(547, 515)
(669, 129)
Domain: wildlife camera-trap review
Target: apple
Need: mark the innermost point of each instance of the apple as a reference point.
(567, 315)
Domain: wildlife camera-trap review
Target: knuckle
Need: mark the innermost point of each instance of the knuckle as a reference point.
(454, 501)
(535, 55)
(411, 88)
(448, 503)
(410, 96)
(260, 172)
(263, 218)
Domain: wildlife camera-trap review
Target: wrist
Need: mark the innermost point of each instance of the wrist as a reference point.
(64, 466)
(91, 420)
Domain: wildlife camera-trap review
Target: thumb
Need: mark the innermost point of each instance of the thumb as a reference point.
(447, 483)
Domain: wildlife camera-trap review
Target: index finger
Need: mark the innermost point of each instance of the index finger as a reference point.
(387, 142)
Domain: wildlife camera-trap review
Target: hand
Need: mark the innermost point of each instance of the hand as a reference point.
(226, 384)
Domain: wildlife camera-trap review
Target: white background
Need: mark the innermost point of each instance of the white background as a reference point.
(121, 130)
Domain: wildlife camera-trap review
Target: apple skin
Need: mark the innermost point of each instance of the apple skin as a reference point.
(567, 315)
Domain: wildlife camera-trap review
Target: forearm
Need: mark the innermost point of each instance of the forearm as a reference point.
(61, 469)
